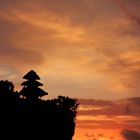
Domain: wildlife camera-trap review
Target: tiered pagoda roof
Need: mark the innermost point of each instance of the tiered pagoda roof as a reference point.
(31, 75)
(31, 86)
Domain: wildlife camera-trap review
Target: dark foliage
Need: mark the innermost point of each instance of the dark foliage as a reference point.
(34, 118)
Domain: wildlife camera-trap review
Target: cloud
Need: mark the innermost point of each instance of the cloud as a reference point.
(95, 102)
(91, 43)
(135, 100)
(8, 72)
(114, 114)
(90, 136)
(127, 6)
(130, 134)
(20, 56)
(108, 107)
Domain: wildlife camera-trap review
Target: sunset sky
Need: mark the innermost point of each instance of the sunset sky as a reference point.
(86, 49)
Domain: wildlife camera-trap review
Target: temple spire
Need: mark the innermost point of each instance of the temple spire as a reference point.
(31, 75)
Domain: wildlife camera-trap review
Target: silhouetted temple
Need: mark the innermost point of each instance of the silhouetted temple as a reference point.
(31, 86)
(24, 115)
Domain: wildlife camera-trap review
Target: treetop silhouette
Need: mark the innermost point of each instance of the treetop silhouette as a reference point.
(6, 87)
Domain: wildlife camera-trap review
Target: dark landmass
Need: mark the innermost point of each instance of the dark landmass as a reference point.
(25, 115)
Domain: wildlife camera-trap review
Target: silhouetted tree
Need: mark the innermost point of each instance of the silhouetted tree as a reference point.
(6, 86)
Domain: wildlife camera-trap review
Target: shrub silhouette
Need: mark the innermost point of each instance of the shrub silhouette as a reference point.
(24, 115)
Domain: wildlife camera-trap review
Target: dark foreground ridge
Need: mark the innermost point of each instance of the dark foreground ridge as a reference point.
(25, 115)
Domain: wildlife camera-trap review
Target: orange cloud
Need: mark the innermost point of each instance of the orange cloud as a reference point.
(78, 47)
(115, 114)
